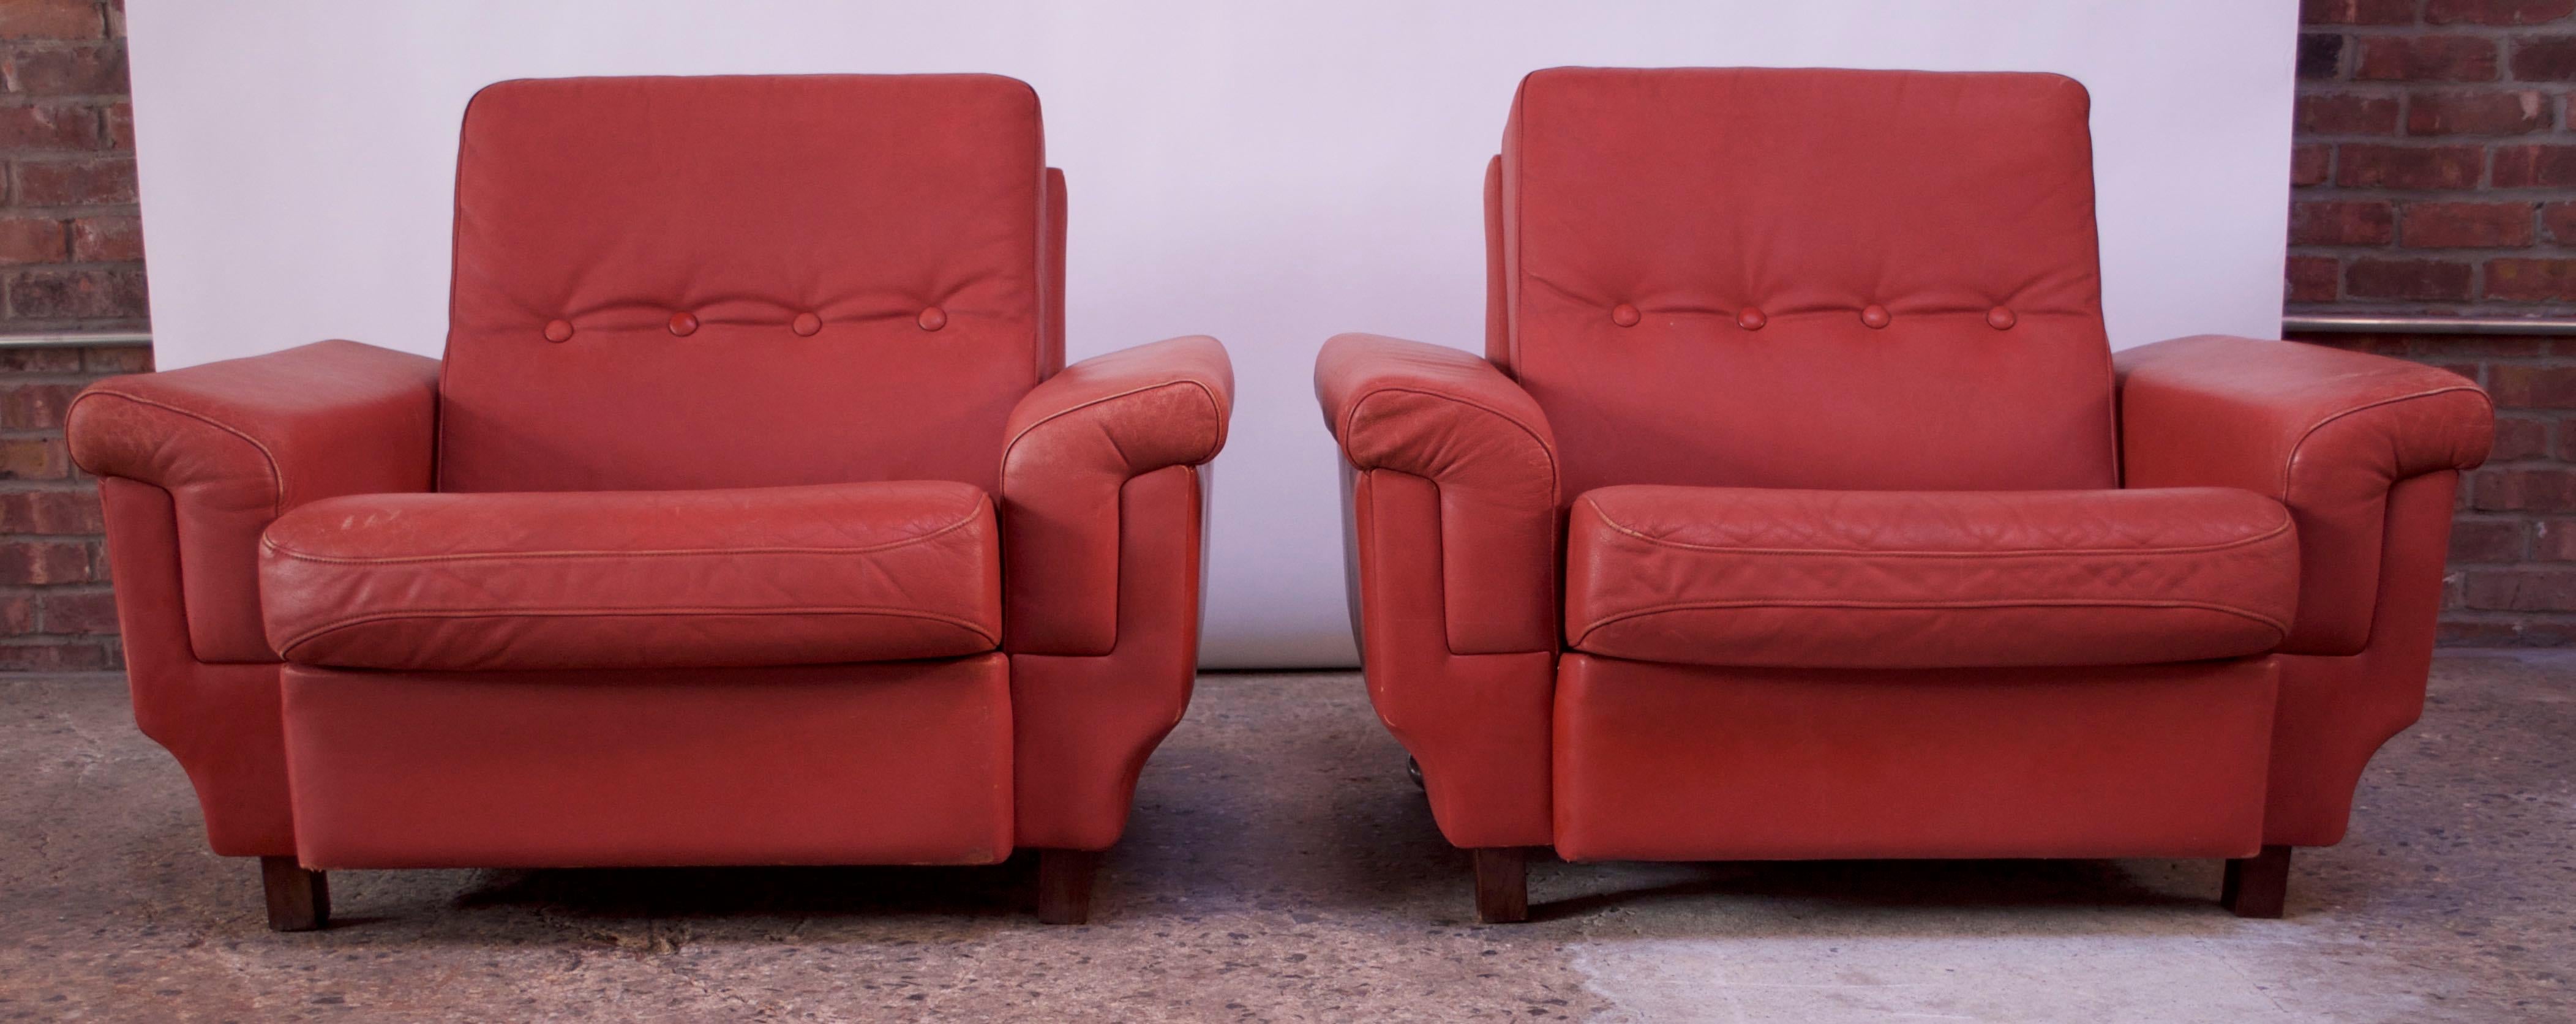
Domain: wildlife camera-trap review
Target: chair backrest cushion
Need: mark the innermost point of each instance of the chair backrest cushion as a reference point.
(670, 283)
(1865, 280)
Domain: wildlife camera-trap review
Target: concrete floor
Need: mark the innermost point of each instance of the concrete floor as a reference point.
(1280, 867)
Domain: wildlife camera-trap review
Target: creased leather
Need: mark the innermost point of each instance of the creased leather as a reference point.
(1695, 195)
(636, 579)
(2322, 430)
(1898, 579)
(1453, 419)
(238, 443)
(1073, 442)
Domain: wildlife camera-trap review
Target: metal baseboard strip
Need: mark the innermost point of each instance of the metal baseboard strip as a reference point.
(76, 339)
(2372, 323)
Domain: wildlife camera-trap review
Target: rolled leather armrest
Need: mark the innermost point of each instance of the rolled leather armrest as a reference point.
(2322, 430)
(1073, 443)
(237, 443)
(1454, 419)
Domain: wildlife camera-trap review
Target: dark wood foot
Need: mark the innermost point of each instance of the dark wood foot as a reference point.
(1502, 884)
(298, 900)
(2256, 886)
(1064, 885)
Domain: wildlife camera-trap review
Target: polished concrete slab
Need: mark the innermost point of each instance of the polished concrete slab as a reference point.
(1281, 867)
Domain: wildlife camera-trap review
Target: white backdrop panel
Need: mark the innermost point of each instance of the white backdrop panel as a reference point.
(1268, 172)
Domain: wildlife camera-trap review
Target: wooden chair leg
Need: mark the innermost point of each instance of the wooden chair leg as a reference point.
(1502, 884)
(1064, 885)
(298, 900)
(2257, 886)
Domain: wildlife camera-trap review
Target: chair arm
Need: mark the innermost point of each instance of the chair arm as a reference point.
(1073, 442)
(238, 443)
(1454, 419)
(2322, 430)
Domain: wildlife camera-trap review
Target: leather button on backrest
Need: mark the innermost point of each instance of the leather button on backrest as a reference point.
(684, 324)
(1751, 319)
(933, 318)
(558, 330)
(1624, 315)
(1874, 315)
(806, 324)
(1999, 318)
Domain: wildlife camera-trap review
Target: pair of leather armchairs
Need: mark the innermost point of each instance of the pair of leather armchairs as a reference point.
(1798, 509)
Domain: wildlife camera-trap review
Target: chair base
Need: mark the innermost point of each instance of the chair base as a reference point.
(298, 900)
(2256, 886)
(1064, 885)
(2259, 885)
(1502, 884)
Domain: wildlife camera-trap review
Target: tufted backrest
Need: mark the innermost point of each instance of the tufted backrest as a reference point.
(1863, 280)
(671, 283)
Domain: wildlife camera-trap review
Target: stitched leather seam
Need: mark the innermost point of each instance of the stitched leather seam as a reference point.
(1350, 423)
(1598, 624)
(317, 632)
(1901, 553)
(506, 556)
(1215, 408)
(276, 473)
(2292, 462)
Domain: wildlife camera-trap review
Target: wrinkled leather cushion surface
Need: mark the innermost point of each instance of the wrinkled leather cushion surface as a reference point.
(1692, 256)
(764, 576)
(758, 281)
(1895, 579)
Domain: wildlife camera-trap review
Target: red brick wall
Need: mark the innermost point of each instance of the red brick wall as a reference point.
(71, 260)
(2434, 167)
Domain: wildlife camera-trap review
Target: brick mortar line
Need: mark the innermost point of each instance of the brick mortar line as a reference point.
(2557, 251)
(2327, 191)
(2319, 138)
(68, 265)
(65, 99)
(74, 210)
(61, 154)
(2400, 88)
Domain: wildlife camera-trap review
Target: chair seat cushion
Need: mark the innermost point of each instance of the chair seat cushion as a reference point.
(1909, 579)
(634, 579)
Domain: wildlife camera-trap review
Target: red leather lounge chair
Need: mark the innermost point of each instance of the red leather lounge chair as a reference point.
(752, 517)
(1800, 509)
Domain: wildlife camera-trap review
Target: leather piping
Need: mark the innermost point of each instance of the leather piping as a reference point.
(1597, 624)
(1215, 407)
(1350, 423)
(508, 556)
(276, 473)
(2290, 464)
(336, 625)
(1597, 512)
